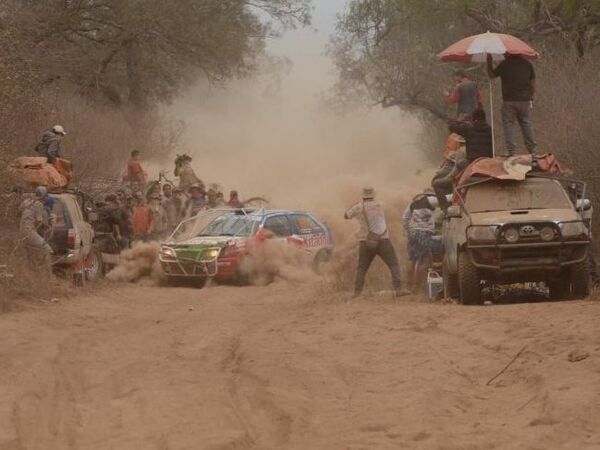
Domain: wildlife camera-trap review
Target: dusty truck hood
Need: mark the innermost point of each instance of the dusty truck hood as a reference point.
(534, 215)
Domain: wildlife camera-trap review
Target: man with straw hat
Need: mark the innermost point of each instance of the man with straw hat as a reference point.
(374, 240)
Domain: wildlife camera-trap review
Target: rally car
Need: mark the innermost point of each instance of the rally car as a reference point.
(214, 244)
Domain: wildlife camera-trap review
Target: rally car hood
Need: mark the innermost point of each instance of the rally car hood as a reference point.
(205, 241)
(524, 216)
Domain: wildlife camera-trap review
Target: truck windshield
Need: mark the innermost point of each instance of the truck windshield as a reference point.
(532, 193)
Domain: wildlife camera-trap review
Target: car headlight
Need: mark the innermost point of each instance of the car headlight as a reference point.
(511, 235)
(210, 254)
(573, 229)
(167, 253)
(485, 234)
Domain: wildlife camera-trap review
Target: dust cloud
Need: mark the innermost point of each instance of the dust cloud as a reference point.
(282, 143)
(138, 264)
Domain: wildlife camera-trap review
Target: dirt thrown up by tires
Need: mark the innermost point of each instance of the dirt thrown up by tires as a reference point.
(138, 264)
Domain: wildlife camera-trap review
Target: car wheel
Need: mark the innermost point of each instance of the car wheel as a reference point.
(321, 258)
(468, 280)
(580, 280)
(451, 289)
(199, 283)
(94, 267)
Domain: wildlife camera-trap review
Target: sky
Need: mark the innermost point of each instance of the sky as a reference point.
(306, 47)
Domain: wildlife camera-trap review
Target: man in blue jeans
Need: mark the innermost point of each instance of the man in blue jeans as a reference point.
(518, 89)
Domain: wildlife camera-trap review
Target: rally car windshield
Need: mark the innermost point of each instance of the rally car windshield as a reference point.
(231, 225)
(532, 193)
(191, 228)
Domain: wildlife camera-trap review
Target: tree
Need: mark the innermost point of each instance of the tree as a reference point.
(137, 52)
(385, 50)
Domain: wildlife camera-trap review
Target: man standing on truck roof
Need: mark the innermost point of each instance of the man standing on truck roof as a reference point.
(374, 240)
(466, 95)
(518, 89)
(49, 146)
(34, 219)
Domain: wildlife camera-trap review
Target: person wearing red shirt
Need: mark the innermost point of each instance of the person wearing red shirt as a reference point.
(135, 173)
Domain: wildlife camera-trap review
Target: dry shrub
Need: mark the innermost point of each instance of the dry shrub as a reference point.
(21, 280)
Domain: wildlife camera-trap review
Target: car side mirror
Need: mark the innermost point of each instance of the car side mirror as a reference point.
(584, 204)
(453, 212)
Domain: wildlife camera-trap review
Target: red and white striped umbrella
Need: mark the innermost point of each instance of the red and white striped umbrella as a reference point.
(476, 48)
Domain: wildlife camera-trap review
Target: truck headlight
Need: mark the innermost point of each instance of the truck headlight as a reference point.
(167, 253)
(573, 229)
(511, 235)
(547, 234)
(482, 234)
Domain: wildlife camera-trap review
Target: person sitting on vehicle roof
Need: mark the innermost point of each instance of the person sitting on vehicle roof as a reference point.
(49, 146)
(197, 200)
(34, 220)
(478, 136)
(419, 225)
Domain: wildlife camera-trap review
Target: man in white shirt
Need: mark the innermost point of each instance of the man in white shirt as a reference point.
(374, 240)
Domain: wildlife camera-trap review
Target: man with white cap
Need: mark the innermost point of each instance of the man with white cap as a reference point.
(374, 240)
(49, 145)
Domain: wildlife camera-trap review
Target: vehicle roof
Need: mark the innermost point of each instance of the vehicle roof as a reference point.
(269, 212)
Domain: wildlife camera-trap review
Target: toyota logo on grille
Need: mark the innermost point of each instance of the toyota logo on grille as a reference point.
(528, 230)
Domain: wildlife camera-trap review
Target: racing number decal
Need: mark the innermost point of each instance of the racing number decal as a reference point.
(315, 240)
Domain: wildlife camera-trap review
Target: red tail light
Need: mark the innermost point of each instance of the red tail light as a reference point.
(73, 240)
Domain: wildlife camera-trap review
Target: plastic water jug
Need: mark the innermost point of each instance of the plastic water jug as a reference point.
(435, 284)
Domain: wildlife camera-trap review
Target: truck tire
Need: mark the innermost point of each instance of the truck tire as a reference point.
(559, 288)
(580, 280)
(468, 280)
(94, 267)
(451, 289)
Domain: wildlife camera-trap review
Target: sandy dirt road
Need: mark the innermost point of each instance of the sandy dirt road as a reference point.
(283, 367)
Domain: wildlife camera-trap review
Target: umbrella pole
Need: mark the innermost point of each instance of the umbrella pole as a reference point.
(492, 118)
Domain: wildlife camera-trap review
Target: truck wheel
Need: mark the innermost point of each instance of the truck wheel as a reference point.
(79, 278)
(451, 289)
(580, 280)
(559, 288)
(94, 267)
(468, 280)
